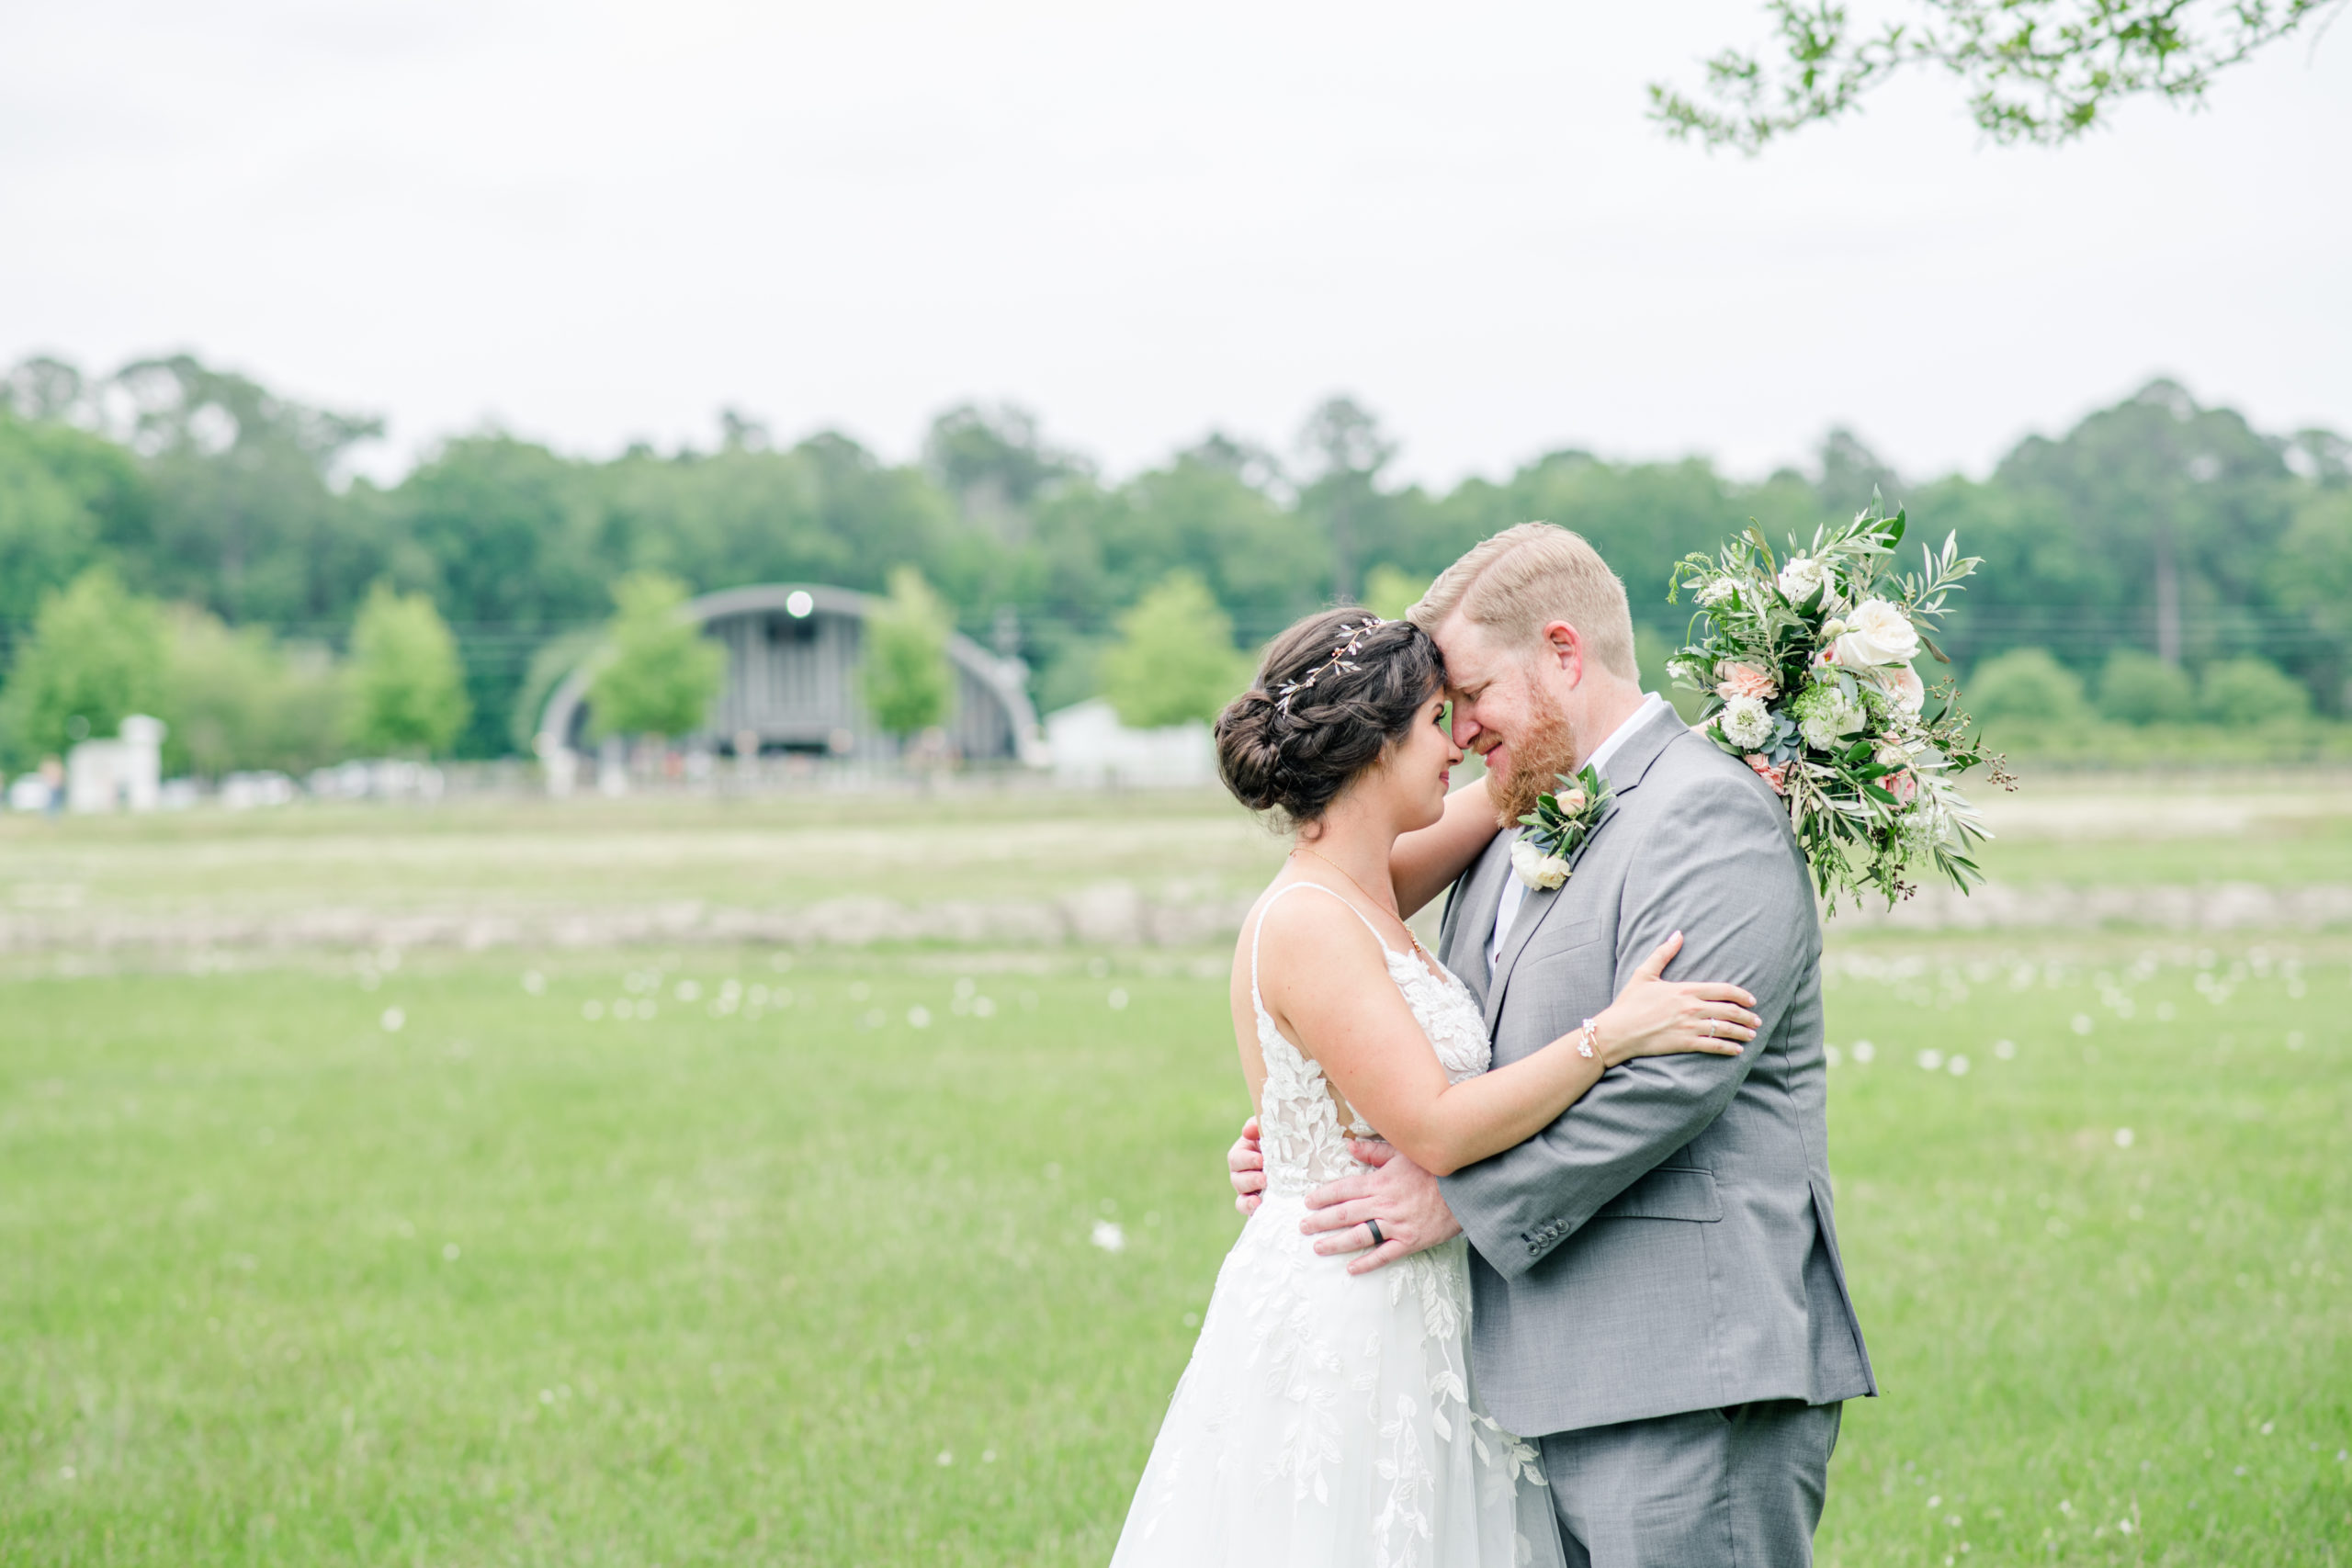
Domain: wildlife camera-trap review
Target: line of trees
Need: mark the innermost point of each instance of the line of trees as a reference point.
(435, 614)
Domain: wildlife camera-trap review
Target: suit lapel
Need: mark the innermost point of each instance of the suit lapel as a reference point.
(1630, 763)
(1481, 893)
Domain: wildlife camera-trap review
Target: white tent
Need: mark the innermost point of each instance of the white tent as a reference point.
(1091, 749)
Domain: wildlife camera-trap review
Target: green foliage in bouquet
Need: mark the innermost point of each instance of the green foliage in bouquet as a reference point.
(1806, 666)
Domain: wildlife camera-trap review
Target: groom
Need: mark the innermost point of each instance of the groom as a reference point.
(1658, 1290)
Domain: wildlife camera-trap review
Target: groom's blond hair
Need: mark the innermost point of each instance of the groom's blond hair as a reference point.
(1525, 577)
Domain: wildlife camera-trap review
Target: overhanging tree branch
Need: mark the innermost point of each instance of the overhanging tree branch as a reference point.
(2036, 71)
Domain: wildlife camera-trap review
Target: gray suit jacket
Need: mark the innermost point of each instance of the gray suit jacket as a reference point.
(1667, 1245)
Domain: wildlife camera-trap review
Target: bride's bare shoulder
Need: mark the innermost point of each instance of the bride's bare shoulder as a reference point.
(1314, 921)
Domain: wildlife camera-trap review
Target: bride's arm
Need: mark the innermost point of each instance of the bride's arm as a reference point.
(1424, 863)
(1370, 1045)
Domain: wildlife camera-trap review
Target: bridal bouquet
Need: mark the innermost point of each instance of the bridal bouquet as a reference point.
(1806, 667)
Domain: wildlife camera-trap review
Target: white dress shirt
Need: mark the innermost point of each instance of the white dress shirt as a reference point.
(1514, 890)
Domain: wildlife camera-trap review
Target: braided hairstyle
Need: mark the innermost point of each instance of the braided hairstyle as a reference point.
(1290, 746)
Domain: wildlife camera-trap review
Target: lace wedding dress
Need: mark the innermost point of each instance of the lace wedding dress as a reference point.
(1327, 1419)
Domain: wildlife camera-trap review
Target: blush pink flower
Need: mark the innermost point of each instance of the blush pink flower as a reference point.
(1777, 777)
(1903, 785)
(1742, 680)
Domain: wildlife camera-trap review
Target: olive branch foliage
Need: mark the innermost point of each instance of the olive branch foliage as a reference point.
(2042, 71)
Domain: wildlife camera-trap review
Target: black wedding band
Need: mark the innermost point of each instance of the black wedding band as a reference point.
(1374, 1226)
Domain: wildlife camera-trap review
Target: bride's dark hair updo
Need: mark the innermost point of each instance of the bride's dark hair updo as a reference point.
(1310, 723)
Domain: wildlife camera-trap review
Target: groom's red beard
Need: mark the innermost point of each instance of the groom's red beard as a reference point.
(1537, 760)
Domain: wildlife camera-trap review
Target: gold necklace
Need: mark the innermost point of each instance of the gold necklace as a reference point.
(1392, 914)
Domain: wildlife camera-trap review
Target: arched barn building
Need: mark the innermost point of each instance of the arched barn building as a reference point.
(793, 652)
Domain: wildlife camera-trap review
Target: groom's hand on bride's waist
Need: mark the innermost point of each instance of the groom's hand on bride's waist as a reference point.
(1397, 1196)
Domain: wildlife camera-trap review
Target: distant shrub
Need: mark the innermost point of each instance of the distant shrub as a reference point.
(2025, 685)
(2248, 690)
(2136, 687)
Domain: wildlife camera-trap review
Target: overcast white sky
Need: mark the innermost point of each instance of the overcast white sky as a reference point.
(591, 223)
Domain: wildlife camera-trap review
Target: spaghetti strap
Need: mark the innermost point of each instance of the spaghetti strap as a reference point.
(1260, 930)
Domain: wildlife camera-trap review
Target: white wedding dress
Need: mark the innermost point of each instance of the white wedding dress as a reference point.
(1327, 1419)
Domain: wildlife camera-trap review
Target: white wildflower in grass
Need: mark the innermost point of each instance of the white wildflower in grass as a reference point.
(1831, 1055)
(624, 1008)
(1118, 999)
(1864, 1051)
(591, 1010)
(450, 1252)
(1746, 722)
(2123, 1137)
(2082, 1024)
(392, 1019)
(535, 983)
(1109, 1237)
(983, 1006)
(1957, 1067)
(2004, 1049)
(947, 1458)
(919, 1018)
(1931, 1060)
(688, 991)
(965, 987)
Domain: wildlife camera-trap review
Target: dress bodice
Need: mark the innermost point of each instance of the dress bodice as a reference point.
(1299, 1112)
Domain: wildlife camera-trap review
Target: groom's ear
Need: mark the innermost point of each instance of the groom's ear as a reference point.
(1565, 644)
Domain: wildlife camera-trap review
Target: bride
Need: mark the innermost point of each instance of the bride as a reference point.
(1327, 1419)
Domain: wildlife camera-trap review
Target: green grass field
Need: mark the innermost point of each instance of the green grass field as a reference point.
(309, 1257)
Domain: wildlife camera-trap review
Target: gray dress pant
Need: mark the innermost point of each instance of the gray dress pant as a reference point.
(1740, 1487)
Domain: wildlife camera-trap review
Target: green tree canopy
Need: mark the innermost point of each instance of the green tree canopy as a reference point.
(1391, 591)
(408, 691)
(908, 683)
(237, 699)
(662, 674)
(1175, 658)
(97, 655)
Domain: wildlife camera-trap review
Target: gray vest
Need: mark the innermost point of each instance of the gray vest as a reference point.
(1667, 1245)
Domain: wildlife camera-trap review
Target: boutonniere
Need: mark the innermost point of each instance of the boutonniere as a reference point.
(1561, 821)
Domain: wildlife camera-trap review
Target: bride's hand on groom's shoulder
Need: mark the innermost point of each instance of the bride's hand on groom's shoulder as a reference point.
(1246, 1162)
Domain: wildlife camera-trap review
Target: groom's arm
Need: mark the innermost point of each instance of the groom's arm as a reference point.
(1718, 869)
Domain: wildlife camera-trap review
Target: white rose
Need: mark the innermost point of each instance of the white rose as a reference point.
(1746, 722)
(1801, 577)
(1902, 684)
(1535, 868)
(1877, 633)
(1717, 590)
